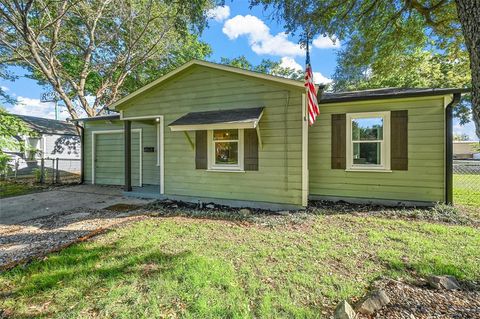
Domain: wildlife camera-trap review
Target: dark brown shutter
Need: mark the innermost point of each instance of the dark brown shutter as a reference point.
(201, 150)
(399, 140)
(250, 142)
(339, 131)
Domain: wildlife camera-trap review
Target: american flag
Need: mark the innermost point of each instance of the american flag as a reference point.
(313, 109)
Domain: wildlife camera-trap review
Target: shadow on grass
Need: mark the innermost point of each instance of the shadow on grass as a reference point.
(94, 264)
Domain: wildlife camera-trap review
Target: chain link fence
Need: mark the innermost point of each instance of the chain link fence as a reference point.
(45, 171)
(466, 182)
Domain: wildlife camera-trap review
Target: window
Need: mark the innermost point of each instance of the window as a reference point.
(368, 137)
(225, 149)
(32, 147)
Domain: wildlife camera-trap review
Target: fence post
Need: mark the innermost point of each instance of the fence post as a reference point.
(42, 167)
(57, 172)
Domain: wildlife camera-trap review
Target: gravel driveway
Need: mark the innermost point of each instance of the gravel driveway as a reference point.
(37, 224)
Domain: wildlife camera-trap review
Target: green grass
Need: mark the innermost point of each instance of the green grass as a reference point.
(10, 189)
(197, 268)
(466, 189)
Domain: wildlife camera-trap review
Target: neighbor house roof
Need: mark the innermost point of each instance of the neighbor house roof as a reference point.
(388, 93)
(278, 79)
(48, 126)
(234, 118)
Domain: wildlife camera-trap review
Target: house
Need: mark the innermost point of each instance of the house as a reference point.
(466, 150)
(52, 139)
(214, 133)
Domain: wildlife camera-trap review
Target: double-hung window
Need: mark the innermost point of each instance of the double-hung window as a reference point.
(225, 149)
(368, 141)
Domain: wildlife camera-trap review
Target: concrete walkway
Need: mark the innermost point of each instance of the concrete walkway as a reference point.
(14, 210)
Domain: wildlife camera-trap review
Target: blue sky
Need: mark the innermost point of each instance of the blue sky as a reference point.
(233, 30)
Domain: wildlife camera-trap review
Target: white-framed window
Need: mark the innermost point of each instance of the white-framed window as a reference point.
(368, 141)
(225, 149)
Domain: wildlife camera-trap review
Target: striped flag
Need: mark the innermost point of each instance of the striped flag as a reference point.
(313, 109)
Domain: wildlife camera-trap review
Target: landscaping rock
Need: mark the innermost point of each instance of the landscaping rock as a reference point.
(344, 311)
(210, 206)
(245, 211)
(283, 212)
(444, 282)
(373, 302)
(418, 301)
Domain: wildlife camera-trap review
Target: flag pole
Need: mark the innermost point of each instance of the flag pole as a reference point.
(307, 61)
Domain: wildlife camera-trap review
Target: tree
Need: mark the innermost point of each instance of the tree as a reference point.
(378, 29)
(99, 50)
(415, 68)
(266, 66)
(11, 130)
(461, 137)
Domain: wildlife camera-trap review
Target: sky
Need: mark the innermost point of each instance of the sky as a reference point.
(233, 30)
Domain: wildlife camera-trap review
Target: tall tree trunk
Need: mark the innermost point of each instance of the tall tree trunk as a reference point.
(469, 15)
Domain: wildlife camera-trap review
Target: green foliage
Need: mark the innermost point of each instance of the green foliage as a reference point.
(11, 130)
(101, 49)
(387, 43)
(10, 189)
(266, 66)
(200, 268)
(461, 137)
(466, 189)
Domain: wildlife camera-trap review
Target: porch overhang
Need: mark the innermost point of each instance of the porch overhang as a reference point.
(244, 118)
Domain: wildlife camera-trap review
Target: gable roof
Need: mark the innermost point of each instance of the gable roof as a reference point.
(387, 93)
(48, 126)
(217, 66)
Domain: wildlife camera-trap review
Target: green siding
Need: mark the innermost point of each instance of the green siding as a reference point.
(424, 180)
(111, 156)
(278, 179)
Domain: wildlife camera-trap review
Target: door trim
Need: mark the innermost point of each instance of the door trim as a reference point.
(160, 142)
(137, 130)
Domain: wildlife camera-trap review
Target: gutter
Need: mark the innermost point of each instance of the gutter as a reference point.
(82, 151)
(449, 148)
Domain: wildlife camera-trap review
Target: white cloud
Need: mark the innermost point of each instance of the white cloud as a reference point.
(287, 62)
(259, 36)
(324, 42)
(34, 107)
(219, 13)
(468, 129)
(4, 88)
(319, 78)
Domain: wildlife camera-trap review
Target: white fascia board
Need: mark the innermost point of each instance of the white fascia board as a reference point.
(217, 126)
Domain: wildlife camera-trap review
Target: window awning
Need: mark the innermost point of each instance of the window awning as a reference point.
(222, 119)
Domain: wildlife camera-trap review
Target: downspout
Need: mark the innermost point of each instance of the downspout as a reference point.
(449, 148)
(82, 152)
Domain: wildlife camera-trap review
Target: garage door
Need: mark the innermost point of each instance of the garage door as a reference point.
(109, 158)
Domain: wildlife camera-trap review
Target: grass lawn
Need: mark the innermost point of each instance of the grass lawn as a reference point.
(199, 268)
(466, 189)
(9, 189)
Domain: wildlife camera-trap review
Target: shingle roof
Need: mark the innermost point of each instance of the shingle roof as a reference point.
(387, 93)
(48, 126)
(220, 116)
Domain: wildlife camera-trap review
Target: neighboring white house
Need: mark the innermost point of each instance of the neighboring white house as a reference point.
(53, 139)
(466, 150)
